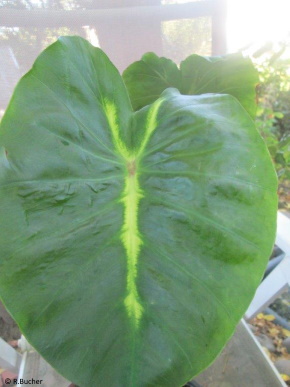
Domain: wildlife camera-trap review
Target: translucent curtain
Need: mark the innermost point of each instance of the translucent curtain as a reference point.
(124, 29)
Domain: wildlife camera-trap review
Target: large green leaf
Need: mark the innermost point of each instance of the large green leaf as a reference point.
(230, 74)
(131, 243)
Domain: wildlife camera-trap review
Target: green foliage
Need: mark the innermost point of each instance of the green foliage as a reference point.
(232, 74)
(128, 237)
(273, 118)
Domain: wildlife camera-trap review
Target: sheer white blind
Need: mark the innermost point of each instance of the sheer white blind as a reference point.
(124, 29)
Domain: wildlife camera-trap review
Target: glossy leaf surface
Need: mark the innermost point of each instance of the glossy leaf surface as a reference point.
(131, 243)
(230, 74)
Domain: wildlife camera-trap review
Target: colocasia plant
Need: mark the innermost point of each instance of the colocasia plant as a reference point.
(132, 242)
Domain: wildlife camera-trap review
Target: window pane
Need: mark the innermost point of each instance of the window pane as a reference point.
(185, 37)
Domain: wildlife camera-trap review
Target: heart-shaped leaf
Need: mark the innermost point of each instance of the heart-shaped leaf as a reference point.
(131, 243)
(230, 74)
(147, 78)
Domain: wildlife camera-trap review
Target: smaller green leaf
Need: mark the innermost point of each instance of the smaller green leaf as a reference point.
(231, 74)
(149, 77)
(278, 115)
